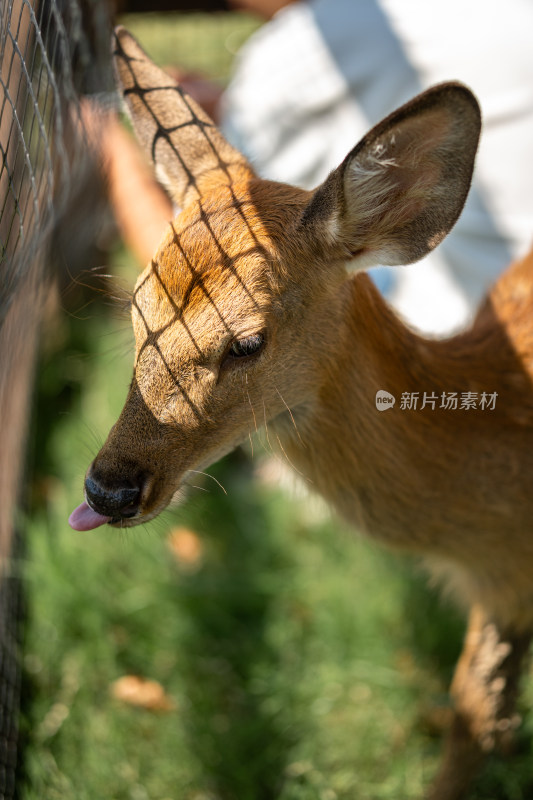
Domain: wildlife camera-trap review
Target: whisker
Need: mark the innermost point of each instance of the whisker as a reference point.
(97, 438)
(289, 462)
(291, 416)
(101, 274)
(270, 448)
(247, 394)
(266, 427)
(251, 405)
(199, 472)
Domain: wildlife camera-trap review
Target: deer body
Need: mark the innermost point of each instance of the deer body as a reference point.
(247, 317)
(448, 484)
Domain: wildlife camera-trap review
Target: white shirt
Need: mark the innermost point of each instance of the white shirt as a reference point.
(311, 82)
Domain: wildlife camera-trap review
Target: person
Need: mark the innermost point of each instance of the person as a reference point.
(312, 80)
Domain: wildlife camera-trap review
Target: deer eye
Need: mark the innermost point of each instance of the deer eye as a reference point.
(249, 346)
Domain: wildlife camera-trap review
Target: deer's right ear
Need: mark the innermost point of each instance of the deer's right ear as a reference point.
(187, 149)
(401, 189)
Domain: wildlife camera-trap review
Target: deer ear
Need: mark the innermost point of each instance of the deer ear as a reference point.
(187, 149)
(401, 189)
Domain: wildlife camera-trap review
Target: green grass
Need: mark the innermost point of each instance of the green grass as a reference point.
(204, 42)
(302, 662)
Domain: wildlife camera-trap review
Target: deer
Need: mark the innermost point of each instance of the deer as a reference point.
(256, 310)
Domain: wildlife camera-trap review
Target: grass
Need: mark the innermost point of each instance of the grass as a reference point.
(204, 42)
(300, 662)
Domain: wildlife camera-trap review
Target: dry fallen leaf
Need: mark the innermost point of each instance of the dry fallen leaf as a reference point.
(186, 547)
(141, 692)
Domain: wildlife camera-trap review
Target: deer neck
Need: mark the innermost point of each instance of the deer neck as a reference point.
(383, 469)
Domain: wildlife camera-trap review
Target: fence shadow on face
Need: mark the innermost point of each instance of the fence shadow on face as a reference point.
(190, 277)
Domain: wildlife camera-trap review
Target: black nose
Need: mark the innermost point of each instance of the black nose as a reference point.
(112, 501)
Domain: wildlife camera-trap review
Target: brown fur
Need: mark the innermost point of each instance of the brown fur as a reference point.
(249, 256)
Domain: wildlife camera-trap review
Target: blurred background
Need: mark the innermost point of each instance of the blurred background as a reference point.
(243, 646)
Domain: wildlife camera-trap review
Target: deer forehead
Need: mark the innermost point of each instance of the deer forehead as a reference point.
(210, 279)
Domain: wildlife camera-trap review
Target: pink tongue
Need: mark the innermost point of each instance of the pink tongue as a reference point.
(83, 518)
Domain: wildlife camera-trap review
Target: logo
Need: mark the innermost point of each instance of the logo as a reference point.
(384, 400)
(449, 401)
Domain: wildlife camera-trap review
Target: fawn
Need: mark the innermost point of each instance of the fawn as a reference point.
(247, 315)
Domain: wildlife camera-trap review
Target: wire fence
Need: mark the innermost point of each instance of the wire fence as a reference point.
(47, 60)
(51, 53)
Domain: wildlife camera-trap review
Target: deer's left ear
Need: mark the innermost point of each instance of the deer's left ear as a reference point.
(187, 149)
(401, 189)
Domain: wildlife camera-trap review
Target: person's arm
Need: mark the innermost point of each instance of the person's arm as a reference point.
(141, 208)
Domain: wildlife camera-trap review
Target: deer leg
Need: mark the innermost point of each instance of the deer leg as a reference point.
(484, 691)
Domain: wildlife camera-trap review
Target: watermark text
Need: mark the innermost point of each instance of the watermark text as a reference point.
(450, 401)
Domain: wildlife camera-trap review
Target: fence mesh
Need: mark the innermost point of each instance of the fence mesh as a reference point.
(51, 53)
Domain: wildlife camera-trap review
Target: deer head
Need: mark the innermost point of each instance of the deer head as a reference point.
(237, 315)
